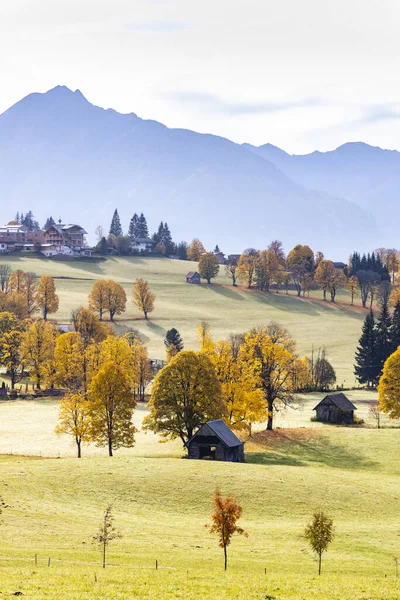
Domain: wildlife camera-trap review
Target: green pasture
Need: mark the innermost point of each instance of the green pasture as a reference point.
(311, 322)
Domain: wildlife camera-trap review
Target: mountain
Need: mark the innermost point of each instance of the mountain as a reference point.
(62, 156)
(366, 175)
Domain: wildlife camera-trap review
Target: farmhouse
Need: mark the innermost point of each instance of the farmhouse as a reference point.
(193, 277)
(144, 244)
(65, 240)
(335, 408)
(215, 441)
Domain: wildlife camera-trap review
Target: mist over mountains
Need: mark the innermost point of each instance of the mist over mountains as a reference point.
(62, 156)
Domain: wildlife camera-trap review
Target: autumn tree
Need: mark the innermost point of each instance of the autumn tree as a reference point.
(68, 361)
(107, 533)
(12, 356)
(319, 533)
(247, 266)
(14, 303)
(323, 275)
(185, 394)
(337, 280)
(231, 270)
(73, 419)
(225, 515)
(195, 250)
(389, 386)
(266, 269)
(111, 408)
(38, 348)
(16, 282)
(205, 338)
(352, 288)
(88, 325)
(300, 262)
(208, 266)
(143, 298)
(5, 273)
(276, 247)
(115, 299)
(47, 298)
(271, 355)
(98, 297)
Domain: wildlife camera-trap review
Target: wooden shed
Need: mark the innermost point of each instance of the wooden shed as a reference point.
(335, 408)
(193, 277)
(215, 441)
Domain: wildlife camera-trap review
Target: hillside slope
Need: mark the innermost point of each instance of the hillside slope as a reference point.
(61, 155)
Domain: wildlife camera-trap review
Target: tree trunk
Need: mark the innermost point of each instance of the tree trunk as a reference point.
(78, 444)
(324, 294)
(104, 555)
(319, 564)
(100, 314)
(225, 558)
(270, 415)
(110, 448)
(145, 315)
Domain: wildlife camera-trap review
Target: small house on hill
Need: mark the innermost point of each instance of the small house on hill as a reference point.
(335, 408)
(215, 441)
(193, 277)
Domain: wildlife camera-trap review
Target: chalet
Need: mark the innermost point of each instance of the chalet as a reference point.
(13, 236)
(220, 257)
(339, 265)
(68, 240)
(335, 408)
(144, 244)
(215, 441)
(193, 277)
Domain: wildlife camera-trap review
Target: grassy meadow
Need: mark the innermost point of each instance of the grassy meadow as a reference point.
(312, 322)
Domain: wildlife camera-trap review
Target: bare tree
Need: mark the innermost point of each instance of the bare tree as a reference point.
(375, 413)
(107, 532)
(5, 272)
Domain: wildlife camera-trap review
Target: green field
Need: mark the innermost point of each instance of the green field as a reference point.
(162, 502)
(311, 322)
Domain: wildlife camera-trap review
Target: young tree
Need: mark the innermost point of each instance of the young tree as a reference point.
(375, 413)
(389, 387)
(225, 515)
(208, 266)
(231, 270)
(115, 226)
(195, 250)
(143, 298)
(38, 348)
(367, 365)
(47, 298)
(107, 533)
(173, 337)
(320, 533)
(323, 374)
(73, 419)
(111, 406)
(352, 288)
(185, 394)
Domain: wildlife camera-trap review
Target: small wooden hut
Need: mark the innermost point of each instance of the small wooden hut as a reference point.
(335, 408)
(193, 277)
(215, 441)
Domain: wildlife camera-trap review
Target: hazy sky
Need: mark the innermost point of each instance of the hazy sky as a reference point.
(301, 74)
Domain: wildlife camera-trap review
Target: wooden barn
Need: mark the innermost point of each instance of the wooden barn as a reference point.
(215, 441)
(193, 277)
(335, 408)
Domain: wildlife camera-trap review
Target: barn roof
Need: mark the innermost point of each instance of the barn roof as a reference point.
(192, 274)
(340, 400)
(222, 431)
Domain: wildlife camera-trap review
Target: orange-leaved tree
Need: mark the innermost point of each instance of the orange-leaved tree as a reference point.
(226, 513)
(143, 298)
(47, 298)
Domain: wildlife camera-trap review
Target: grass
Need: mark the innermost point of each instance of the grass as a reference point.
(312, 322)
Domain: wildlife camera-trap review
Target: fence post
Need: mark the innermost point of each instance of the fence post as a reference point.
(48, 563)
(156, 564)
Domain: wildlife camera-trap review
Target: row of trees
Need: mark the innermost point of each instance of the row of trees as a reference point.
(25, 294)
(108, 296)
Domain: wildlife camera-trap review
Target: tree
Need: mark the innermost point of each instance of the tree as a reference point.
(208, 266)
(367, 365)
(352, 288)
(337, 280)
(270, 353)
(143, 298)
(173, 337)
(99, 233)
(107, 533)
(115, 226)
(12, 357)
(88, 325)
(68, 361)
(323, 275)
(195, 250)
(247, 266)
(73, 419)
(123, 245)
(323, 374)
(300, 262)
(204, 337)
(375, 413)
(185, 394)
(231, 270)
(47, 298)
(133, 227)
(276, 247)
(115, 298)
(366, 282)
(48, 223)
(98, 297)
(226, 513)
(142, 228)
(38, 348)
(395, 328)
(5, 272)
(266, 269)
(320, 534)
(111, 406)
(383, 330)
(181, 250)
(389, 387)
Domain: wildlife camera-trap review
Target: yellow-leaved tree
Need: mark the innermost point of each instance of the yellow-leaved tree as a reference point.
(115, 299)
(73, 419)
(195, 250)
(69, 366)
(208, 266)
(47, 298)
(205, 339)
(389, 386)
(98, 297)
(38, 348)
(143, 298)
(185, 394)
(247, 265)
(111, 406)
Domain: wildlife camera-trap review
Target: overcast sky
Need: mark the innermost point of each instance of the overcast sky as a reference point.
(300, 74)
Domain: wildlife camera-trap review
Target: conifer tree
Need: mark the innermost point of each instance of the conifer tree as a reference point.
(142, 229)
(158, 237)
(367, 367)
(395, 328)
(49, 222)
(383, 336)
(115, 227)
(173, 337)
(133, 226)
(167, 240)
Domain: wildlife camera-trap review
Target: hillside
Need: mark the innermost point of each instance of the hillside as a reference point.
(366, 175)
(226, 309)
(63, 156)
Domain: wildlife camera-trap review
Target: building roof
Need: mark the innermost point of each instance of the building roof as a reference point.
(192, 274)
(143, 240)
(339, 400)
(222, 431)
(339, 265)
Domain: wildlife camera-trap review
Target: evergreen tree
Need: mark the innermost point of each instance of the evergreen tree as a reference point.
(395, 328)
(17, 217)
(133, 226)
(103, 246)
(142, 230)
(158, 237)
(216, 249)
(181, 250)
(167, 240)
(173, 338)
(366, 368)
(383, 331)
(29, 222)
(115, 227)
(49, 222)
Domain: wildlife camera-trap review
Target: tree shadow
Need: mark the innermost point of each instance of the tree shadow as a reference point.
(299, 448)
(89, 267)
(286, 303)
(231, 293)
(157, 329)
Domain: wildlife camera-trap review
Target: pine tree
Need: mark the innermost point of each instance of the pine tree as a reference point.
(173, 338)
(49, 222)
(167, 240)
(158, 237)
(115, 227)
(133, 226)
(216, 249)
(142, 230)
(367, 367)
(383, 336)
(17, 217)
(395, 328)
